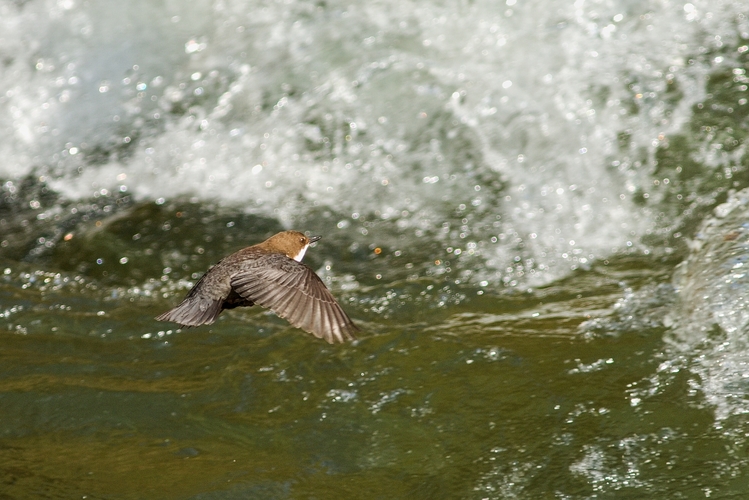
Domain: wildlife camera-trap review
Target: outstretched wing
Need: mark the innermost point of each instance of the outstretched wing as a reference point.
(201, 306)
(294, 292)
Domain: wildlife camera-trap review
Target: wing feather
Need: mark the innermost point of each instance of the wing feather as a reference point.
(294, 292)
(203, 303)
(193, 311)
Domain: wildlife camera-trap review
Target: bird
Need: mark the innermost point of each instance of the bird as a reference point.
(270, 274)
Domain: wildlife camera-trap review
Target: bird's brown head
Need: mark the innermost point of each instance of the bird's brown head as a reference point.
(291, 243)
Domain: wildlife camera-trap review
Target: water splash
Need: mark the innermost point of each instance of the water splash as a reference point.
(522, 137)
(708, 340)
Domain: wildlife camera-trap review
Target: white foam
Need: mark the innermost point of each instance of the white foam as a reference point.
(501, 120)
(709, 338)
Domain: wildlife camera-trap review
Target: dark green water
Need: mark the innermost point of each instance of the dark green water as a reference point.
(446, 394)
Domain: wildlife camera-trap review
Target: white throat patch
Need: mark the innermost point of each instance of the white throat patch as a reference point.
(300, 255)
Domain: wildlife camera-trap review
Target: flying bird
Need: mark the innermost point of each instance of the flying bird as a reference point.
(269, 274)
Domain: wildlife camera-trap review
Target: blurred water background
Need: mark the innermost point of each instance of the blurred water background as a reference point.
(534, 209)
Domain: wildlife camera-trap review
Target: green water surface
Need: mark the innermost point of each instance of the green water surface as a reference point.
(449, 392)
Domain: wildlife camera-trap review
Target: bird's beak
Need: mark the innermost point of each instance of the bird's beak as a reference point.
(313, 239)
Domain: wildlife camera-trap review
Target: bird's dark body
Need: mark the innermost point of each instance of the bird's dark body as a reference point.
(268, 275)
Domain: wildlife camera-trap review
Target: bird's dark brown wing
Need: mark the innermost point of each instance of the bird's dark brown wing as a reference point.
(294, 292)
(201, 306)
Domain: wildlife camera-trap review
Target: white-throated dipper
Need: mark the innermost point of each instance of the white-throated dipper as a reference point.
(271, 275)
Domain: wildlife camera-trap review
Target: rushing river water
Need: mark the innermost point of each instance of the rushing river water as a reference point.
(534, 209)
